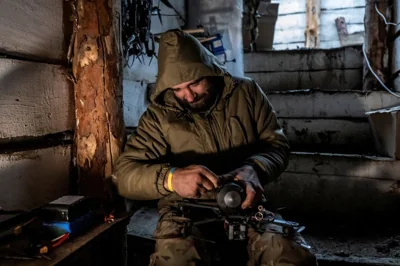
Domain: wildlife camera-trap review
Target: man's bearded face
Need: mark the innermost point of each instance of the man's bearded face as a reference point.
(196, 95)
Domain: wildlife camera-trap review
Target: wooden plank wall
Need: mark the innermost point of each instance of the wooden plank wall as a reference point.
(32, 29)
(36, 103)
(328, 135)
(31, 178)
(336, 69)
(291, 22)
(329, 120)
(343, 187)
(317, 95)
(320, 103)
(36, 99)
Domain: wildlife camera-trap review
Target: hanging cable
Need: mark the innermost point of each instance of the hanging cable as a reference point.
(367, 61)
(375, 75)
(384, 19)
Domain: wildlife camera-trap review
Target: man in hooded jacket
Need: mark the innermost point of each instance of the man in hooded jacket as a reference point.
(204, 124)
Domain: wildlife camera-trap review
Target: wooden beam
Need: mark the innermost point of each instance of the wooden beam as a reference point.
(344, 165)
(376, 40)
(345, 38)
(341, 29)
(99, 131)
(336, 79)
(333, 104)
(313, 9)
(36, 99)
(295, 6)
(328, 132)
(293, 25)
(333, 195)
(304, 60)
(29, 179)
(336, 69)
(323, 184)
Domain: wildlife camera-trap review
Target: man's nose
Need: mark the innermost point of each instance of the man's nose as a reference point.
(189, 95)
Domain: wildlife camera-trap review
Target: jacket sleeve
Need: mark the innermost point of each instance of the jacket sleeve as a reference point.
(140, 170)
(273, 148)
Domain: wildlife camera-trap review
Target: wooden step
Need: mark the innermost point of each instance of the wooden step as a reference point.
(303, 60)
(328, 134)
(329, 104)
(338, 185)
(336, 69)
(335, 79)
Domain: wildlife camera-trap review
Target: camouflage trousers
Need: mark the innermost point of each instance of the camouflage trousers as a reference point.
(270, 248)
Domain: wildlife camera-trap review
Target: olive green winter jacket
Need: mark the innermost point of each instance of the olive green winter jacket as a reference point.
(241, 128)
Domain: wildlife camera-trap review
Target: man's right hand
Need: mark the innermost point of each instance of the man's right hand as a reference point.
(192, 181)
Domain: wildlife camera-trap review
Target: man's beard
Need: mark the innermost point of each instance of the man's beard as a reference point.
(203, 102)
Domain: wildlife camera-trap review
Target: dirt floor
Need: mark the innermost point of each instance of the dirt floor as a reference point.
(334, 244)
(380, 246)
(358, 247)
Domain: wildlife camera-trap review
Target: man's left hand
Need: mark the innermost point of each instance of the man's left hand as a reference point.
(247, 176)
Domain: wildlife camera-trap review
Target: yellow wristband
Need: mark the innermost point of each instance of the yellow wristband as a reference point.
(171, 171)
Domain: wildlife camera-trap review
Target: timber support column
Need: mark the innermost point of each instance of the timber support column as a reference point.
(99, 132)
(313, 10)
(376, 44)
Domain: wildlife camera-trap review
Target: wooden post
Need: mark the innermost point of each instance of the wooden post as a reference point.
(376, 38)
(99, 132)
(313, 8)
(344, 37)
(341, 29)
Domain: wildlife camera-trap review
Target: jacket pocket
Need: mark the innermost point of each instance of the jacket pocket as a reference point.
(237, 133)
(170, 224)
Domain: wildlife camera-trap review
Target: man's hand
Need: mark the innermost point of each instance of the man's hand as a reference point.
(247, 176)
(192, 181)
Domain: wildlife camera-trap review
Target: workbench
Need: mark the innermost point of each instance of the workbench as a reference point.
(104, 244)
